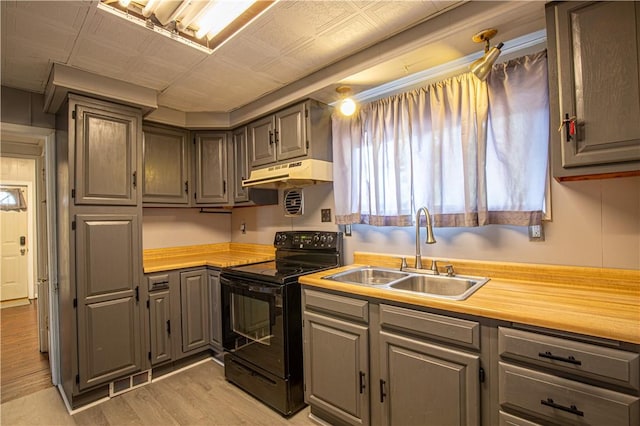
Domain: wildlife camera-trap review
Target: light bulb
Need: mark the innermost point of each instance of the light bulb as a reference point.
(347, 107)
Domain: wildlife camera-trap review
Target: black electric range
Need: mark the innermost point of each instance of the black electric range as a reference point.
(262, 318)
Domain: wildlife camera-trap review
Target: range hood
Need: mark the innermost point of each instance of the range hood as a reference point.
(297, 173)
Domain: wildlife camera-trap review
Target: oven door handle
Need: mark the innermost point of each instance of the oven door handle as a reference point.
(251, 286)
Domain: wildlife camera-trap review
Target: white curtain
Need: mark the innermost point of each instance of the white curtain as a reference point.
(474, 153)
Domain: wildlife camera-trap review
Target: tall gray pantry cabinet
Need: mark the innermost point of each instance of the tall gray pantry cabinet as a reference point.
(98, 160)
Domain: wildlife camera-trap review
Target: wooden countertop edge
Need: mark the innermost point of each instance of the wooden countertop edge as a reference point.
(220, 259)
(607, 315)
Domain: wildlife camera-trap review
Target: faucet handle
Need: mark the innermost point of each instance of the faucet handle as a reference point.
(434, 267)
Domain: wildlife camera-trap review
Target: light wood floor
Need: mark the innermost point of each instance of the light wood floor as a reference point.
(24, 370)
(197, 396)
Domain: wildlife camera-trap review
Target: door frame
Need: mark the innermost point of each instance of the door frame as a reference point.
(32, 235)
(47, 138)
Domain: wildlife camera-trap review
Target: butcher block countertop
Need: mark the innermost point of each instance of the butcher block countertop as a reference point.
(592, 301)
(220, 255)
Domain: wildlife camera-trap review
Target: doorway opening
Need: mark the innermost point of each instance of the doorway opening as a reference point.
(28, 306)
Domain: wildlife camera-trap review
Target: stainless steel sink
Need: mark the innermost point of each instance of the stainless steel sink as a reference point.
(368, 276)
(458, 287)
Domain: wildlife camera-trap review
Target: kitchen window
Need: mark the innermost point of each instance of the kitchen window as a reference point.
(473, 152)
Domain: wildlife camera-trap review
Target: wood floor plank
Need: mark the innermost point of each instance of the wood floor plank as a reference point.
(23, 369)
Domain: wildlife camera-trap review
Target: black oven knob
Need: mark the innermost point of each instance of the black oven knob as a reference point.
(323, 239)
(330, 239)
(316, 238)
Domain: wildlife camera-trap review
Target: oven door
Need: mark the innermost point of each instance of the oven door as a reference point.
(253, 323)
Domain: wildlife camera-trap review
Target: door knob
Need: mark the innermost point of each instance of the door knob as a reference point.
(22, 251)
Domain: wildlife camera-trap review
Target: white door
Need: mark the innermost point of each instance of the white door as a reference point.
(13, 278)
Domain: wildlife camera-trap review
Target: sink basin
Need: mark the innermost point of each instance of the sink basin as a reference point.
(369, 276)
(458, 287)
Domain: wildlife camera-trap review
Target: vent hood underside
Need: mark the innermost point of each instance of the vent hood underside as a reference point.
(294, 174)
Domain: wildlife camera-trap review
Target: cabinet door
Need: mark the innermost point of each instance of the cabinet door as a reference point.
(241, 162)
(160, 324)
(211, 168)
(215, 309)
(194, 306)
(166, 170)
(106, 155)
(597, 49)
(336, 357)
(290, 133)
(422, 383)
(261, 142)
(108, 272)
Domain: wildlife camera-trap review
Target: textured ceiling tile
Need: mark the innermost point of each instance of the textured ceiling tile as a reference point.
(99, 56)
(398, 15)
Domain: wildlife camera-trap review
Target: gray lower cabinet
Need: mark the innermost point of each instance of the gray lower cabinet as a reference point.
(166, 166)
(107, 267)
(211, 168)
(594, 78)
(550, 379)
(215, 310)
(369, 363)
(194, 310)
(426, 384)
(160, 325)
(336, 357)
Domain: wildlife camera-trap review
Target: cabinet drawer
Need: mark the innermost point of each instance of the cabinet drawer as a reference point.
(158, 282)
(564, 401)
(346, 307)
(448, 329)
(604, 364)
(507, 419)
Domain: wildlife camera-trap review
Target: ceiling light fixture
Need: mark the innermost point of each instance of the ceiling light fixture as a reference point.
(203, 24)
(481, 67)
(347, 104)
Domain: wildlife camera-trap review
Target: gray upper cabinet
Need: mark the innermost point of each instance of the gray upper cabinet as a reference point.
(241, 164)
(166, 166)
(108, 274)
(106, 153)
(194, 307)
(594, 76)
(211, 168)
(302, 130)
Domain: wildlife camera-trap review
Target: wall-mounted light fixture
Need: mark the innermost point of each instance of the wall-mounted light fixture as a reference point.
(481, 67)
(347, 104)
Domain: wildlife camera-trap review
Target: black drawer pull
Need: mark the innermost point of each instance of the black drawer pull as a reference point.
(570, 359)
(362, 384)
(572, 409)
(382, 393)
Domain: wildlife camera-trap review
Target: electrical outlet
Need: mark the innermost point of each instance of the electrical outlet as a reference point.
(243, 228)
(536, 233)
(325, 215)
(347, 230)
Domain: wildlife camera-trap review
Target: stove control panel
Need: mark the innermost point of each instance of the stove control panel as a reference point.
(308, 240)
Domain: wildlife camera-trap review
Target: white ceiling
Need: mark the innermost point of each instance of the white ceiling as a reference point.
(301, 48)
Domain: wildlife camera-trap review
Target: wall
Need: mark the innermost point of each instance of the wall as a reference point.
(167, 227)
(594, 223)
(25, 108)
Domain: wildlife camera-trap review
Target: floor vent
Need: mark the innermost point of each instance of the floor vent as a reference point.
(126, 384)
(293, 202)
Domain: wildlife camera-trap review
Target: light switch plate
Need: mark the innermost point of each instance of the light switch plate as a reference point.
(536, 233)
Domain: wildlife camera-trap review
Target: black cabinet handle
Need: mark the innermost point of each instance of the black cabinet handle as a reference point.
(382, 393)
(186, 187)
(362, 384)
(270, 137)
(168, 326)
(570, 359)
(572, 409)
(137, 294)
(276, 136)
(224, 186)
(135, 179)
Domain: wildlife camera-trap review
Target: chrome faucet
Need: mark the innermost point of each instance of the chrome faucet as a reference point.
(430, 237)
